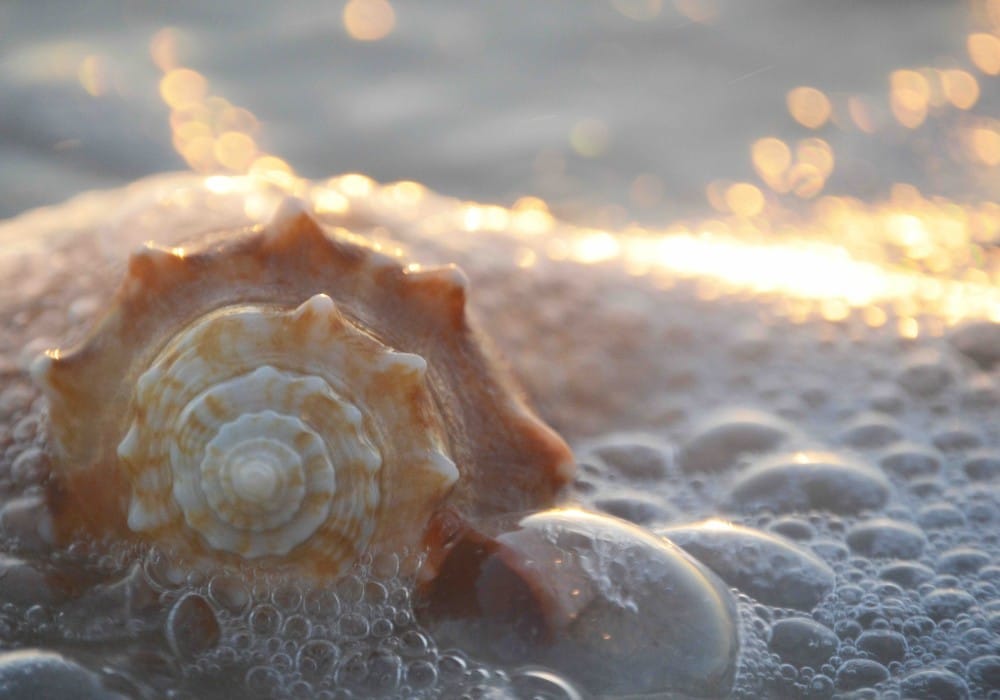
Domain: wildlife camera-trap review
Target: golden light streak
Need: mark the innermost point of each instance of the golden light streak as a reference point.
(270, 164)
(354, 184)
(329, 201)
(891, 264)
(595, 247)
(531, 216)
(405, 193)
(908, 328)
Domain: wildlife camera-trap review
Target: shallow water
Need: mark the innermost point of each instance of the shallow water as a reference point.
(797, 388)
(611, 111)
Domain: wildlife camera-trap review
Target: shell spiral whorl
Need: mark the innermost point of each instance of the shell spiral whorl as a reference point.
(278, 426)
(287, 395)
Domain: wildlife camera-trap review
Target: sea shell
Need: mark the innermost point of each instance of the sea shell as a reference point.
(287, 395)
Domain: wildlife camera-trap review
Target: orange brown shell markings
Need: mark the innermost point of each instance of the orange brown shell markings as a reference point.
(290, 396)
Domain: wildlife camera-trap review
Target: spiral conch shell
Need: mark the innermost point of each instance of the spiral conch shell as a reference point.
(291, 396)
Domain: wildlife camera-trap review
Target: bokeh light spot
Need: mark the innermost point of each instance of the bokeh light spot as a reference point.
(369, 20)
(589, 138)
(163, 49)
(809, 107)
(984, 50)
(744, 200)
(771, 158)
(961, 88)
(817, 153)
(909, 97)
(984, 144)
(183, 87)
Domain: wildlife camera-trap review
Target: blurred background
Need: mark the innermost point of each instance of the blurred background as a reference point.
(612, 111)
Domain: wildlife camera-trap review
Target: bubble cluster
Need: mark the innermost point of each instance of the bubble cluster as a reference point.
(857, 523)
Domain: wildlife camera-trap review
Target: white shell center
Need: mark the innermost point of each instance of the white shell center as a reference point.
(255, 479)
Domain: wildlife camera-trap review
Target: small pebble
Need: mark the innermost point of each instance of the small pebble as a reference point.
(938, 684)
(34, 674)
(720, 441)
(805, 481)
(192, 627)
(803, 642)
(771, 569)
(885, 538)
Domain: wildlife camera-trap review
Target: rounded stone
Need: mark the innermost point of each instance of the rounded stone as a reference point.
(961, 561)
(925, 373)
(720, 441)
(947, 603)
(940, 515)
(793, 528)
(910, 460)
(192, 627)
(632, 455)
(855, 674)
(634, 506)
(805, 481)
(884, 645)
(979, 341)
(982, 465)
(984, 671)
(30, 674)
(956, 436)
(885, 538)
(609, 606)
(908, 574)
(28, 521)
(803, 642)
(934, 683)
(229, 592)
(768, 568)
(870, 429)
(30, 467)
(24, 584)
